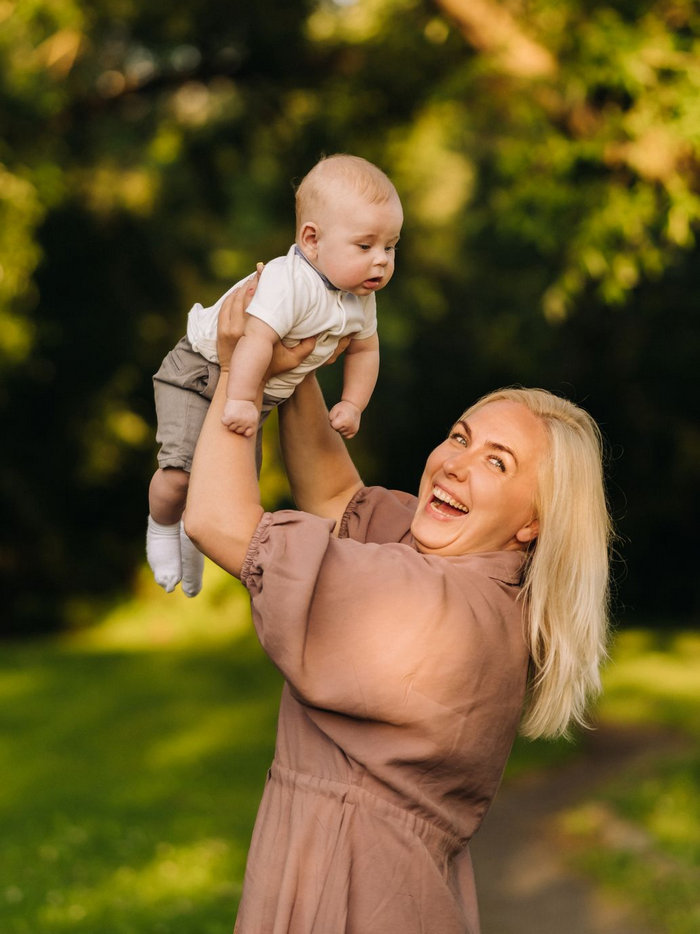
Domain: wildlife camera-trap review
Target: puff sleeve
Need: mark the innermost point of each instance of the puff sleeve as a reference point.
(361, 628)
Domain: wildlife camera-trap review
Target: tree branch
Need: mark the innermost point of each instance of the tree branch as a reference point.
(488, 27)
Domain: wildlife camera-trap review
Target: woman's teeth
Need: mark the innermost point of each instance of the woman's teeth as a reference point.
(446, 498)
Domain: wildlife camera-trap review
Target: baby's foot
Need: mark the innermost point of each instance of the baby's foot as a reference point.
(192, 566)
(163, 553)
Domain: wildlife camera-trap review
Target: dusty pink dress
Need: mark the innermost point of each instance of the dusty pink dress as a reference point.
(405, 677)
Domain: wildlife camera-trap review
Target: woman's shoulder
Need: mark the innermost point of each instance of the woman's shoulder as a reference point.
(503, 566)
(378, 515)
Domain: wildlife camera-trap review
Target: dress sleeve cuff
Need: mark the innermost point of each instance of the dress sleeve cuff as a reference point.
(259, 536)
(351, 511)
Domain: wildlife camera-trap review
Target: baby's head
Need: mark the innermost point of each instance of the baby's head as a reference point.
(349, 219)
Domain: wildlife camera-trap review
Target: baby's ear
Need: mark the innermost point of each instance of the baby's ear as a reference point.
(308, 240)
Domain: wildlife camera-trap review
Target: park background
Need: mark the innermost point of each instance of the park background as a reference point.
(547, 153)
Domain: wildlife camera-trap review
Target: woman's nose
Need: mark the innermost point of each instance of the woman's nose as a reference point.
(457, 465)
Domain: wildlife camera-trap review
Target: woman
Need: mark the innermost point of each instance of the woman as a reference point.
(411, 634)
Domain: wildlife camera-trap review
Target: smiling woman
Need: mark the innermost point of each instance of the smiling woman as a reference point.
(478, 489)
(412, 633)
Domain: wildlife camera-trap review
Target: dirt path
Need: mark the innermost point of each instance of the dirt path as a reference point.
(523, 883)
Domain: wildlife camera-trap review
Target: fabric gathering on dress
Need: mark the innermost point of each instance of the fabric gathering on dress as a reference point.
(405, 676)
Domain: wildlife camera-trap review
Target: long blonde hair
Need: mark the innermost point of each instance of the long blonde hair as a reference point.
(567, 570)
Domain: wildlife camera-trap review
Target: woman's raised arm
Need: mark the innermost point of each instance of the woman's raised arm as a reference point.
(223, 501)
(321, 473)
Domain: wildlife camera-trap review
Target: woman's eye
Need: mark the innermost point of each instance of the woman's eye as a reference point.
(498, 463)
(459, 438)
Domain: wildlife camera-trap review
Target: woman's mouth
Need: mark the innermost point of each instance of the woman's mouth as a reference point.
(446, 505)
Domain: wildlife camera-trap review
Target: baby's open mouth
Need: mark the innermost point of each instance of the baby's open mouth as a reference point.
(445, 504)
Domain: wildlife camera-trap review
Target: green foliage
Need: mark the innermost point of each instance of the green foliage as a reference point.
(547, 158)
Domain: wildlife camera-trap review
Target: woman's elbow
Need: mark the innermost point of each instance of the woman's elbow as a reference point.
(197, 529)
(224, 539)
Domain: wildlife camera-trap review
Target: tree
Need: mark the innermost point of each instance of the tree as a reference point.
(546, 153)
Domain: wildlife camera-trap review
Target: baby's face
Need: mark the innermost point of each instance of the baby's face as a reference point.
(355, 243)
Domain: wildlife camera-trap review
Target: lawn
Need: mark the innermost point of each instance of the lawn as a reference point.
(134, 753)
(133, 759)
(640, 835)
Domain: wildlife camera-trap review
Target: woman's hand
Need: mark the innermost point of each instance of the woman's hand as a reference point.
(231, 326)
(231, 322)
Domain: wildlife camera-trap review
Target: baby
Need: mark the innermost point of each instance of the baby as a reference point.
(349, 219)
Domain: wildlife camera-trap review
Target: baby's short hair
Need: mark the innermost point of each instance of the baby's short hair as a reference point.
(353, 172)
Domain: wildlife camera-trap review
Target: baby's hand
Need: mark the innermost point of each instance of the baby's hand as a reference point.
(345, 418)
(241, 416)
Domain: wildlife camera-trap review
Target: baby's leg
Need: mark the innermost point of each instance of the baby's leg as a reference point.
(183, 388)
(166, 498)
(167, 495)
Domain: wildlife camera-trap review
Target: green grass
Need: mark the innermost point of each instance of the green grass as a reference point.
(131, 776)
(133, 755)
(639, 836)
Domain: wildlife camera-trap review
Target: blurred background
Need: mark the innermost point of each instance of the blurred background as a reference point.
(547, 153)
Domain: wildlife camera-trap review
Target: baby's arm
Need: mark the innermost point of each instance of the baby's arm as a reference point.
(359, 379)
(249, 363)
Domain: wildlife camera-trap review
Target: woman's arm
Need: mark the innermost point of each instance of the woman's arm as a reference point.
(223, 501)
(321, 473)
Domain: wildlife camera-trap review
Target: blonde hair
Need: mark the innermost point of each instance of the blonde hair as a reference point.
(316, 189)
(567, 569)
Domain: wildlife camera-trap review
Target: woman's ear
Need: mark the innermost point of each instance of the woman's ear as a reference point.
(529, 532)
(308, 240)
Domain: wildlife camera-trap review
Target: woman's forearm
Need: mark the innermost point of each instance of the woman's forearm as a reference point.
(321, 473)
(223, 502)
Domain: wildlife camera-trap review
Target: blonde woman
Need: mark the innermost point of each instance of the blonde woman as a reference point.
(416, 635)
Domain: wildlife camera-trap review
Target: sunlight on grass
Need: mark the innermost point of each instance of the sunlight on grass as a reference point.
(131, 778)
(203, 739)
(654, 678)
(152, 619)
(171, 883)
(638, 835)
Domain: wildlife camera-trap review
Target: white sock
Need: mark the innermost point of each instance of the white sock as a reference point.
(192, 566)
(163, 553)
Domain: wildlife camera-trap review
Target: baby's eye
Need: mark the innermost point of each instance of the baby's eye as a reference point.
(363, 246)
(390, 249)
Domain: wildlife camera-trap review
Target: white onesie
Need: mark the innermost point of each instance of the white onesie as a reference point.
(297, 301)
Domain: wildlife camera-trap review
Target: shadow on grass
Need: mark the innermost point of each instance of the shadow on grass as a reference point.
(130, 786)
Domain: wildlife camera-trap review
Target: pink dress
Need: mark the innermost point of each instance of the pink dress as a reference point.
(405, 678)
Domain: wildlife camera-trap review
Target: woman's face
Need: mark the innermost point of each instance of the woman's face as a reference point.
(478, 488)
